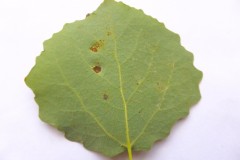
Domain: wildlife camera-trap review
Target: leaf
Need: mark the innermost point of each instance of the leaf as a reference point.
(116, 81)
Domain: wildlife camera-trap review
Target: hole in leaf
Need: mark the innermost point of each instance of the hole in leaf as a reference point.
(97, 69)
(105, 96)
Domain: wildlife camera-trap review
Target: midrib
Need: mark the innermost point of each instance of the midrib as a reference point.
(128, 141)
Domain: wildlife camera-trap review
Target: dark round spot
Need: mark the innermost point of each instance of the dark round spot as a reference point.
(97, 69)
(105, 96)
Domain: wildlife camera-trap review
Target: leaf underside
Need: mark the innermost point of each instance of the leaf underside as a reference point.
(115, 80)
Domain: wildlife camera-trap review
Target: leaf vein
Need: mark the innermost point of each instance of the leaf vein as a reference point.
(159, 106)
(83, 105)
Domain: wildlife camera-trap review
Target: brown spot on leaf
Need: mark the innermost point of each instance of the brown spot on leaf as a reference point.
(97, 45)
(105, 96)
(94, 49)
(97, 69)
(109, 33)
(88, 14)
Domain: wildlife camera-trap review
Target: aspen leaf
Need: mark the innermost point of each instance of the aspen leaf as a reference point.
(116, 81)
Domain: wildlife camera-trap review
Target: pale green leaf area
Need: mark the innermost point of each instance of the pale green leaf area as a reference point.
(116, 81)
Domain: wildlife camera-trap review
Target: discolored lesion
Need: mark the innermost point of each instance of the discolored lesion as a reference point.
(95, 47)
(161, 86)
(105, 96)
(97, 69)
(109, 33)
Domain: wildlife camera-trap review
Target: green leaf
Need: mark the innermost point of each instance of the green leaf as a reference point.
(116, 81)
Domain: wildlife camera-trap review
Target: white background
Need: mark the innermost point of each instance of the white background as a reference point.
(208, 28)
